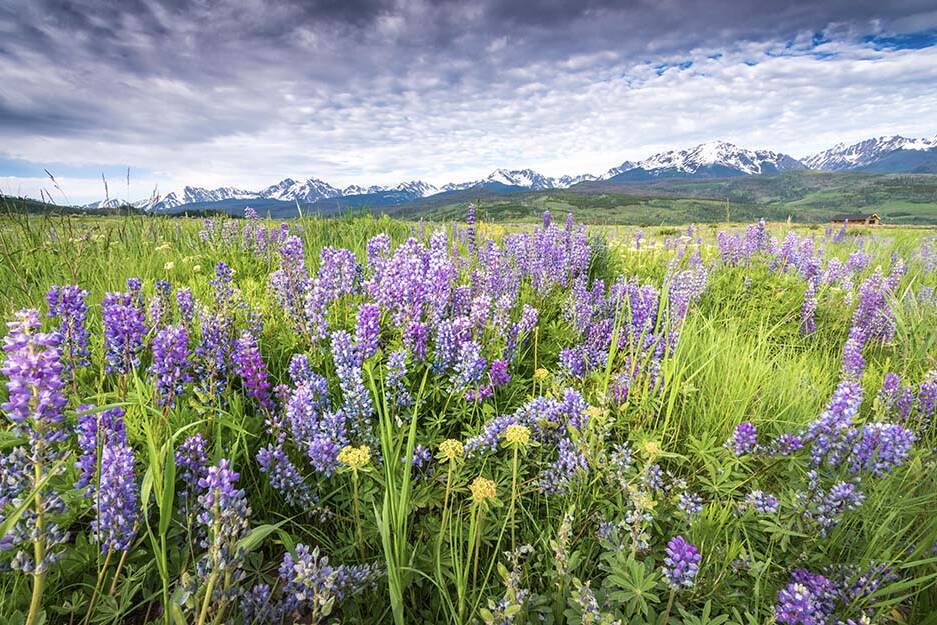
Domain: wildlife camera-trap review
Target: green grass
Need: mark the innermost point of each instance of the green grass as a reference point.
(740, 357)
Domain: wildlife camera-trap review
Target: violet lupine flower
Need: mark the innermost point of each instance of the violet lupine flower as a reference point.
(224, 516)
(300, 369)
(786, 444)
(927, 397)
(367, 331)
(691, 504)
(222, 291)
(96, 429)
(135, 288)
(396, 377)
(895, 399)
(761, 502)
(212, 356)
(160, 310)
(286, 478)
(808, 599)
(357, 404)
(170, 364)
(570, 466)
(251, 368)
(415, 338)
(681, 564)
(498, 373)
(808, 323)
(67, 304)
(825, 507)
(186, 305)
(469, 368)
(470, 227)
(853, 362)
(116, 502)
(291, 282)
(745, 438)
(320, 432)
(124, 328)
(191, 468)
(881, 448)
(35, 405)
(831, 434)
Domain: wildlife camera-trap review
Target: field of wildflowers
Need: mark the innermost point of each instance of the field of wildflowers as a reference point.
(372, 421)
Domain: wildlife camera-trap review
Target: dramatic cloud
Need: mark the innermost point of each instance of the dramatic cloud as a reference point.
(245, 93)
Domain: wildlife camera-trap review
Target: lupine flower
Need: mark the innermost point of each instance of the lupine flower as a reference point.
(252, 370)
(286, 478)
(569, 466)
(186, 305)
(894, 398)
(116, 503)
(681, 564)
(357, 404)
(211, 360)
(160, 311)
(690, 504)
(34, 405)
(396, 378)
(191, 467)
(808, 599)
(124, 328)
(67, 304)
(96, 429)
(880, 448)
(761, 502)
(745, 438)
(367, 332)
(223, 515)
(170, 364)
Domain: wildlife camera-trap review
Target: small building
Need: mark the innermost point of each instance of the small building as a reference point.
(857, 220)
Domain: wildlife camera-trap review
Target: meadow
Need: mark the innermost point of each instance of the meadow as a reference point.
(367, 420)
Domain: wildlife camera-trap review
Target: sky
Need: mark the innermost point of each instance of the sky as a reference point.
(245, 93)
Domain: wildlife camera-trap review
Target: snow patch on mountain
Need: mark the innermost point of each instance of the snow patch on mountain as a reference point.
(842, 157)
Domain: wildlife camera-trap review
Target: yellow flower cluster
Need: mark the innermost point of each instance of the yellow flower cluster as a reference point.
(450, 449)
(541, 374)
(354, 457)
(517, 435)
(652, 448)
(482, 489)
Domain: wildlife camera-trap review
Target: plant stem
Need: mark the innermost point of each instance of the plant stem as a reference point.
(513, 494)
(39, 554)
(669, 606)
(358, 534)
(97, 586)
(120, 565)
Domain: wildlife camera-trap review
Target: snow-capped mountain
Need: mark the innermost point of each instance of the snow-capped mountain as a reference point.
(526, 178)
(417, 188)
(708, 160)
(289, 190)
(614, 171)
(867, 154)
(564, 182)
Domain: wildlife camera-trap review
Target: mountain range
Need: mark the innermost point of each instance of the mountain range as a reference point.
(716, 159)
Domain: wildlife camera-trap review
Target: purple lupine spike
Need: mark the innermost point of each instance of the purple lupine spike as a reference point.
(160, 305)
(67, 304)
(745, 438)
(35, 405)
(681, 564)
(367, 330)
(286, 478)
(124, 329)
(116, 503)
(224, 516)
(185, 302)
(357, 405)
(396, 378)
(96, 429)
(171, 366)
(251, 368)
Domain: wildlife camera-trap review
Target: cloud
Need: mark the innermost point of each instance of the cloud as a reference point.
(245, 93)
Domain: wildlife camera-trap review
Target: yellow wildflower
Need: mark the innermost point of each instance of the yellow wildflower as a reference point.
(169, 265)
(354, 457)
(196, 268)
(517, 435)
(450, 449)
(541, 374)
(652, 448)
(482, 489)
